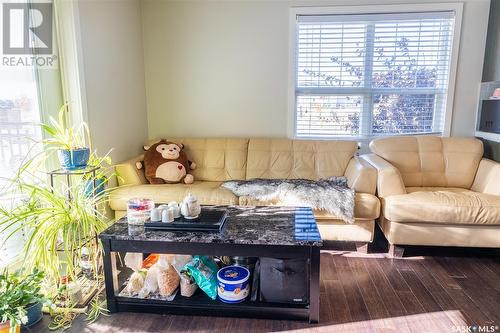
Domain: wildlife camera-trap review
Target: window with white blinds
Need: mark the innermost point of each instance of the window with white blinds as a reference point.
(372, 74)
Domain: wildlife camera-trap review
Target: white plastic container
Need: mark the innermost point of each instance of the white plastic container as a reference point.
(139, 210)
(232, 284)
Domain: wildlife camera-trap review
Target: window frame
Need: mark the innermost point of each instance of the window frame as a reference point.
(457, 8)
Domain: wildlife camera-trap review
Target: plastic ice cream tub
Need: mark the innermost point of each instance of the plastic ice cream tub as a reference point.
(232, 284)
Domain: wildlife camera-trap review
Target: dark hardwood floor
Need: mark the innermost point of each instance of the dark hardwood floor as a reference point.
(441, 292)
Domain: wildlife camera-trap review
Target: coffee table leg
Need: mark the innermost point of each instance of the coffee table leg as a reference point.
(110, 282)
(314, 285)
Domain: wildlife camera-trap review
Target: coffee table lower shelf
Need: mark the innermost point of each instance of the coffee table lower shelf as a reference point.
(202, 305)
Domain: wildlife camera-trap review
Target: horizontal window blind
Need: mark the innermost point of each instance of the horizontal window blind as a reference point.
(328, 115)
(372, 74)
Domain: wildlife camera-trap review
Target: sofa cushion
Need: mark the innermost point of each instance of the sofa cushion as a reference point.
(308, 159)
(487, 177)
(454, 206)
(441, 234)
(431, 160)
(208, 193)
(366, 206)
(216, 159)
(337, 230)
(436, 189)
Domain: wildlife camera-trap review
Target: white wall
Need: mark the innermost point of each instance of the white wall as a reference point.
(491, 70)
(220, 68)
(113, 67)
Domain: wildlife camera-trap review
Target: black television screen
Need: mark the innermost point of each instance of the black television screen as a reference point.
(490, 116)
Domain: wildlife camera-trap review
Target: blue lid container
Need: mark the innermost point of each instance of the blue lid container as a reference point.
(232, 284)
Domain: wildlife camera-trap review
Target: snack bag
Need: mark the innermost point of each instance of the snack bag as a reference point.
(150, 260)
(204, 272)
(168, 279)
(188, 285)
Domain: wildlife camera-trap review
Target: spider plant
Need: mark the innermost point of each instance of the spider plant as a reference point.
(97, 308)
(58, 219)
(63, 136)
(70, 141)
(57, 228)
(95, 183)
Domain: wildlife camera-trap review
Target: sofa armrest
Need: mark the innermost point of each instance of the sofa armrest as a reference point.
(128, 174)
(389, 180)
(487, 178)
(361, 176)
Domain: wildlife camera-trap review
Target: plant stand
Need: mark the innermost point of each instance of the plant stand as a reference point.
(68, 174)
(89, 287)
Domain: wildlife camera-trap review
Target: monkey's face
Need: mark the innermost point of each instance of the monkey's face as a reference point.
(169, 151)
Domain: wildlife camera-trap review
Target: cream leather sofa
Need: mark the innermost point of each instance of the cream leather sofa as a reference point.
(437, 191)
(226, 159)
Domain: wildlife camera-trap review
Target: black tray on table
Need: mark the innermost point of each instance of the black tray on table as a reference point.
(211, 219)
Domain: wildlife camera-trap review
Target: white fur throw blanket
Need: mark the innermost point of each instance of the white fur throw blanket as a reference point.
(331, 194)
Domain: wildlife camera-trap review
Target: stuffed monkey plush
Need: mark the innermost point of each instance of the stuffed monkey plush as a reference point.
(165, 162)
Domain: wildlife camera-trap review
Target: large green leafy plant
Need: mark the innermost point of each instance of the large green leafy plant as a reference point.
(58, 219)
(57, 228)
(17, 292)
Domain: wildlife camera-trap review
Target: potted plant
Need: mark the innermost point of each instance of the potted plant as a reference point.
(60, 220)
(94, 184)
(20, 300)
(70, 141)
(57, 228)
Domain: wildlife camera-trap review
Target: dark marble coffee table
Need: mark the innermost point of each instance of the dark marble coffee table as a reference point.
(276, 232)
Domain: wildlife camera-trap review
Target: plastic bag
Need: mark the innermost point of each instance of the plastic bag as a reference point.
(150, 282)
(133, 260)
(179, 261)
(204, 272)
(136, 282)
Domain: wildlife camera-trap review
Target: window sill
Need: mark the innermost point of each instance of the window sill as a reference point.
(363, 138)
(488, 136)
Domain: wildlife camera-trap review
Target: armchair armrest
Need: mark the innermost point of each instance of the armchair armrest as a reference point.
(487, 178)
(389, 180)
(128, 174)
(361, 176)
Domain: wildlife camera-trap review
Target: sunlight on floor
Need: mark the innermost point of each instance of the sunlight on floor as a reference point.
(441, 321)
(354, 254)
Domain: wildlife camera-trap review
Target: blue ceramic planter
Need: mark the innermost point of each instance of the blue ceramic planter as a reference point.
(73, 159)
(89, 187)
(34, 314)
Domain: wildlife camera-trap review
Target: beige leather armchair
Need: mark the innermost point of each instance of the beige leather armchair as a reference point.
(436, 191)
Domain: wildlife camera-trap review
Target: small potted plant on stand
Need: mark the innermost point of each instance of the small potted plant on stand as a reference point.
(95, 183)
(70, 141)
(20, 300)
